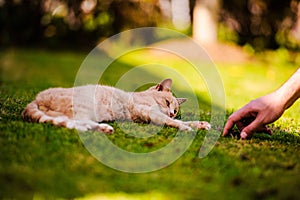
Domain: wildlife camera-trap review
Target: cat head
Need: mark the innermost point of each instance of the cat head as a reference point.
(167, 103)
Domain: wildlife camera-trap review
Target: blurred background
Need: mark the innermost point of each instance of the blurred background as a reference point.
(81, 24)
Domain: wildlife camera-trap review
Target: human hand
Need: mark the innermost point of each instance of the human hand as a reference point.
(254, 116)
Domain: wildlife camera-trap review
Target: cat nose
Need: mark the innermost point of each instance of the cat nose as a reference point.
(172, 114)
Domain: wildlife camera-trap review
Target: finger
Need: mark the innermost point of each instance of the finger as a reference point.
(241, 125)
(244, 122)
(268, 131)
(251, 128)
(243, 135)
(235, 118)
(232, 119)
(228, 126)
(255, 126)
(263, 129)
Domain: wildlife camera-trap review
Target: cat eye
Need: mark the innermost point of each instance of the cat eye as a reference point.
(168, 103)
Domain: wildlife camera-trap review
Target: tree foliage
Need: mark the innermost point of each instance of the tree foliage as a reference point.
(261, 23)
(71, 22)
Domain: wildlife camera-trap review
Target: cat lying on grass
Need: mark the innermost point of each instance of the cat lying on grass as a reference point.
(84, 107)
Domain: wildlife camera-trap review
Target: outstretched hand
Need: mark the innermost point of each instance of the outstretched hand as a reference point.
(255, 116)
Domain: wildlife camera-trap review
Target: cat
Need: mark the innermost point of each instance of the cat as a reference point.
(85, 107)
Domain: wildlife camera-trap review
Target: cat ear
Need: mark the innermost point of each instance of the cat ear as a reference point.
(165, 85)
(181, 100)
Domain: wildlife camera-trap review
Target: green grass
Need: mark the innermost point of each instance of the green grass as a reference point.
(42, 161)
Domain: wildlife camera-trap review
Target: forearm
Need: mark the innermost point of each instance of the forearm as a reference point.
(289, 92)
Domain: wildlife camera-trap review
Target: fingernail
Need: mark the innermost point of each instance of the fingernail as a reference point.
(244, 135)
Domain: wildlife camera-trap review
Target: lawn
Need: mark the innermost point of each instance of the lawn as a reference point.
(42, 161)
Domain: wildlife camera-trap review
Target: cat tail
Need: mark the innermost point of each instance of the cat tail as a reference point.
(32, 113)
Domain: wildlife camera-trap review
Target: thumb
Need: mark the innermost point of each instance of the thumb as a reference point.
(250, 129)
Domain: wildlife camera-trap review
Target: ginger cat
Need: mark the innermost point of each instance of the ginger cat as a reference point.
(84, 107)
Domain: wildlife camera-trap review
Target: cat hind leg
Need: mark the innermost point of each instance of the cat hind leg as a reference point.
(33, 113)
(84, 125)
(79, 125)
(105, 128)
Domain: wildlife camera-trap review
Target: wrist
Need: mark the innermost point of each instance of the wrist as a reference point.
(280, 99)
(289, 92)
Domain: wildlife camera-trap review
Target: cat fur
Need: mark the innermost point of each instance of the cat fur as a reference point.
(87, 107)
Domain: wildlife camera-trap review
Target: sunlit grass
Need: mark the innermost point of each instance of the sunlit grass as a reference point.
(125, 196)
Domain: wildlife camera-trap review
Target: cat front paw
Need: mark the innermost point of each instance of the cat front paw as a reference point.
(204, 125)
(200, 125)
